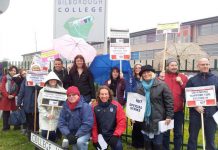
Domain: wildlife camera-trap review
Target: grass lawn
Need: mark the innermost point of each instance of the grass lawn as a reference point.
(14, 140)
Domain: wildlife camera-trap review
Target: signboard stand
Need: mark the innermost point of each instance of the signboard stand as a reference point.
(202, 126)
(35, 108)
(52, 110)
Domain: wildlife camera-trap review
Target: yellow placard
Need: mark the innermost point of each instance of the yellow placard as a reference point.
(49, 53)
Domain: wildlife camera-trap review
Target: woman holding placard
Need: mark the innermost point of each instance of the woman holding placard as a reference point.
(159, 107)
(49, 112)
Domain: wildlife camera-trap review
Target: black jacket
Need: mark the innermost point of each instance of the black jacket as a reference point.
(63, 76)
(161, 104)
(84, 82)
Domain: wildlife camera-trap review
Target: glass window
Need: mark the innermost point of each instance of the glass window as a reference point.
(151, 38)
(205, 29)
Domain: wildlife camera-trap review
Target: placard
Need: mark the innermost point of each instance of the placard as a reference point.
(200, 96)
(135, 106)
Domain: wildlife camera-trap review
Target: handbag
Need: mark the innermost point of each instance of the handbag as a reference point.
(17, 117)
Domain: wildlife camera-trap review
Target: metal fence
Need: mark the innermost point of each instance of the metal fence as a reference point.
(187, 66)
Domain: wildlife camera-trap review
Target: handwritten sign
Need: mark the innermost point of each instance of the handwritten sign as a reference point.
(200, 96)
(34, 78)
(135, 107)
(44, 144)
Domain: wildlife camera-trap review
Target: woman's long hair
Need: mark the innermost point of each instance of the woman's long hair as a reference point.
(109, 91)
(74, 68)
(118, 70)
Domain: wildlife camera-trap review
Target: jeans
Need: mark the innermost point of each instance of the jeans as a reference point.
(178, 122)
(119, 145)
(194, 127)
(52, 135)
(82, 143)
(157, 140)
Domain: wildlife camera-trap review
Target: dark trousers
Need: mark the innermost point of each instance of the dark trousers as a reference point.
(194, 127)
(52, 135)
(30, 123)
(6, 115)
(155, 143)
(119, 145)
(137, 136)
(178, 122)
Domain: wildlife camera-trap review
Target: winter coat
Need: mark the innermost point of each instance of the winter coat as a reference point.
(108, 121)
(26, 97)
(7, 104)
(120, 90)
(161, 104)
(84, 82)
(63, 76)
(78, 121)
(204, 79)
(176, 89)
(44, 111)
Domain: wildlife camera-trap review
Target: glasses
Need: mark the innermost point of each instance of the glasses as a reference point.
(204, 64)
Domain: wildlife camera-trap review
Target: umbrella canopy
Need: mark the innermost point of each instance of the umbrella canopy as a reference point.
(101, 69)
(69, 47)
(182, 52)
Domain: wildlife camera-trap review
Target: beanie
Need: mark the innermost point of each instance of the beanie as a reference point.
(169, 60)
(73, 90)
(146, 68)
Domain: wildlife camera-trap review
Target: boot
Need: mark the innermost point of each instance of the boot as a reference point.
(148, 145)
(157, 147)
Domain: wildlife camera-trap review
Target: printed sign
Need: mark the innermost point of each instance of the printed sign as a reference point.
(35, 79)
(119, 45)
(135, 106)
(44, 144)
(80, 18)
(168, 28)
(200, 96)
(53, 97)
(49, 55)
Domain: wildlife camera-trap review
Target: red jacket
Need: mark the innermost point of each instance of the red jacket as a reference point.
(119, 119)
(5, 103)
(176, 89)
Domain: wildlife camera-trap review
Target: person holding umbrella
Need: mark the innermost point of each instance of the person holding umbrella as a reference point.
(159, 106)
(117, 84)
(82, 78)
(109, 119)
(48, 115)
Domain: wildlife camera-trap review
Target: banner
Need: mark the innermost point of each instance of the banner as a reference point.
(80, 18)
(120, 45)
(49, 55)
(135, 106)
(44, 144)
(200, 96)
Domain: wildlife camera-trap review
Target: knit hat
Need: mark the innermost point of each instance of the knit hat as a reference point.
(146, 68)
(169, 60)
(73, 90)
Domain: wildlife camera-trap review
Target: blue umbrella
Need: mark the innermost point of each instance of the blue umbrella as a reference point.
(101, 67)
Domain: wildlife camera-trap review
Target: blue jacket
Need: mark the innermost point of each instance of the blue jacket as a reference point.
(78, 122)
(204, 79)
(26, 97)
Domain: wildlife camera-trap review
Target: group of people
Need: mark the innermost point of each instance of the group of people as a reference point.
(87, 114)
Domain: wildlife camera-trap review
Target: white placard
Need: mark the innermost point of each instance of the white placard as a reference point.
(44, 143)
(162, 127)
(102, 142)
(135, 106)
(215, 117)
(200, 96)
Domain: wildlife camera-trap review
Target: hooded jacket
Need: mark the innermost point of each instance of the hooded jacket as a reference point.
(44, 111)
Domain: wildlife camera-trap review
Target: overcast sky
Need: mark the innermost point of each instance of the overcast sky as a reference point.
(26, 18)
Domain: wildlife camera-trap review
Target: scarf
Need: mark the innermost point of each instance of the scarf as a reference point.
(11, 86)
(72, 105)
(147, 86)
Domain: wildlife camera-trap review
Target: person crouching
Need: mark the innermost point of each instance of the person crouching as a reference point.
(76, 120)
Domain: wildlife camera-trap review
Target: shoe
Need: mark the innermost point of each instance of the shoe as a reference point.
(17, 127)
(5, 129)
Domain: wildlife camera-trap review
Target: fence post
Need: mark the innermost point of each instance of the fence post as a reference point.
(193, 65)
(215, 63)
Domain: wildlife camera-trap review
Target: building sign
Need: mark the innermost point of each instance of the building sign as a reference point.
(44, 144)
(135, 56)
(80, 18)
(200, 96)
(119, 45)
(135, 106)
(168, 28)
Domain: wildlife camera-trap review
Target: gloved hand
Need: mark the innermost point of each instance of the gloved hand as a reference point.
(97, 145)
(113, 141)
(72, 138)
